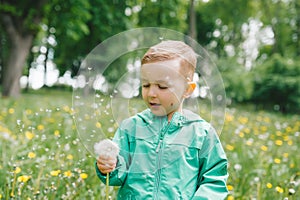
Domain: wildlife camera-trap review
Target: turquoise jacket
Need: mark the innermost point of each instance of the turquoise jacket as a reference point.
(182, 159)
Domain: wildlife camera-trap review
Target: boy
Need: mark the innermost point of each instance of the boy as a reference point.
(167, 152)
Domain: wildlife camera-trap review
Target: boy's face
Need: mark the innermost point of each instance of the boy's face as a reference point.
(163, 87)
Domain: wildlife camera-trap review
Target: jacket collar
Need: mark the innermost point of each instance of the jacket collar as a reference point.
(178, 119)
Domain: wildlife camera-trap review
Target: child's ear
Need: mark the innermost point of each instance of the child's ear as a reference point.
(190, 89)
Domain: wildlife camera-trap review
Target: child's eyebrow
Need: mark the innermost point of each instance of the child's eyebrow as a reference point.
(156, 81)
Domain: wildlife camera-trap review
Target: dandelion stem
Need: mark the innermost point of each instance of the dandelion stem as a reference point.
(107, 186)
(14, 183)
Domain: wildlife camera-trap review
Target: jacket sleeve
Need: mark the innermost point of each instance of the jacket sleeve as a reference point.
(213, 169)
(118, 176)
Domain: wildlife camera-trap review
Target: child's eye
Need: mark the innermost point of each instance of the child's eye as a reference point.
(146, 85)
(162, 87)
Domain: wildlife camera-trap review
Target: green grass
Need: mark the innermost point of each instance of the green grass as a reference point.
(42, 156)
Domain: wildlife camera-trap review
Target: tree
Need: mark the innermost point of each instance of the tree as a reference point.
(77, 26)
(276, 84)
(20, 21)
(192, 20)
(284, 19)
(100, 20)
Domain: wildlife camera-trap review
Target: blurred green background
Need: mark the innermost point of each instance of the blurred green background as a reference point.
(254, 43)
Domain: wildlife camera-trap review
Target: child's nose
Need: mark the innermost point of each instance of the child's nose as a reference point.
(152, 91)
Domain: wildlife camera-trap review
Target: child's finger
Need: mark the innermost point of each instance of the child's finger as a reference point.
(105, 167)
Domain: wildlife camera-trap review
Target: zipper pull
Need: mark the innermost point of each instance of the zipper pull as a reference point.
(158, 146)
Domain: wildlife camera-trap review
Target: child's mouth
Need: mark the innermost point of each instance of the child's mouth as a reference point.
(154, 104)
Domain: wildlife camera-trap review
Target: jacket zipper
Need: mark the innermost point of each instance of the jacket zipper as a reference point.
(158, 151)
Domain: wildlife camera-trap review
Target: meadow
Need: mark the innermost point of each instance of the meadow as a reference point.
(42, 156)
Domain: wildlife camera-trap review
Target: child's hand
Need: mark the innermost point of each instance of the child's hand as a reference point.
(107, 152)
(106, 164)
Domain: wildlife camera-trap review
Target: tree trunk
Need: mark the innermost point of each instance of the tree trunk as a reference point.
(192, 20)
(19, 50)
(13, 70)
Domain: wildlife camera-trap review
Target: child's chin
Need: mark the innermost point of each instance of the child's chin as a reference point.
(158, 113)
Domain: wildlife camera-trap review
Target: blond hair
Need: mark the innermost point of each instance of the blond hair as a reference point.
(169, 50)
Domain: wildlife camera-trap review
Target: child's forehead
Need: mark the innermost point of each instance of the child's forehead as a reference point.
(168, 66)
(160, 72)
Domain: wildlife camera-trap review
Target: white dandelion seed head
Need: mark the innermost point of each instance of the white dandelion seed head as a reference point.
(106, 148)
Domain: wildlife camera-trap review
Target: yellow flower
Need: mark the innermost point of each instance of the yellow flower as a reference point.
(29, 135)
(290, 142)
(278, 142)
(264, 148)
(230, 187)
(241, 134)
(277, 160)
(56, 132)
(267, 119)
(17, 170)
(279, 189)
(83, 175)
(55, 173)
(269, 185)
(278, 133)
(40, 127)
(229, 118)
(31, 155)
(28, 112)
(23, 178)
(247, 130)
(66, 108)
(288, 129)
(264, 128)
(51, 120)
(286, 155)
(98, 125)
(11, 111)
(243, 120)
(249, 142)
(230, 197)
(68, 173)
(229, 147)
(69, 157)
